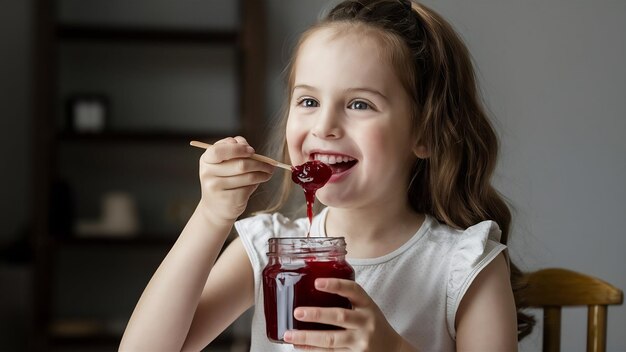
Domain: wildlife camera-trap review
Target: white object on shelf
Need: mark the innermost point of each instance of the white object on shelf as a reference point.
(119, 217)
(89, 116)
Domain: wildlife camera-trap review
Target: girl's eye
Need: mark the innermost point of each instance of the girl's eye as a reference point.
(308, 103)
(359, 105)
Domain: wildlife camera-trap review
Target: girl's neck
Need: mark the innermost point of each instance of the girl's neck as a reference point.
(376, 231)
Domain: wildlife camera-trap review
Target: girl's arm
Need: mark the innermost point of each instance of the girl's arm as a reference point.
(185, 282)
(163, 315)
(229, 291)
(486, 319)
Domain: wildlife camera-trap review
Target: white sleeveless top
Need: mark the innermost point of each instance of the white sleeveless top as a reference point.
(418, 286)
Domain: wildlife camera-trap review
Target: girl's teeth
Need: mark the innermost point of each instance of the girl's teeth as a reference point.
(332, 159)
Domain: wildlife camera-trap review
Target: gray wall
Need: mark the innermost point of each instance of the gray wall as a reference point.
(554, 79)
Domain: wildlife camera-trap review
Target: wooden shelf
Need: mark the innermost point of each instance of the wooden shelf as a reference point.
(97, 339)
(104, 340)
(79, 32)
(102, 337)
(143, 136)
(83, 332)
(54, 149)
(143, 240)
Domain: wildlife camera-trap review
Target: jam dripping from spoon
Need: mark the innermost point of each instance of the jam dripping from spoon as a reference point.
(311, 176)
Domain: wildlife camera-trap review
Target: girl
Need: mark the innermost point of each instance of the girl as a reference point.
(384, 92)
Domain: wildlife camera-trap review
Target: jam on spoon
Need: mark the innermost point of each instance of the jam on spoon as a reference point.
(311, 175)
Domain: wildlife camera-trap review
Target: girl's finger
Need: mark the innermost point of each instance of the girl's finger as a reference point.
(226, 140)
(241, 140)
(333, 340)
(226, 151)
(319, 349)
(346, 288)
(238, 166)
(344, 318)
(239, 181)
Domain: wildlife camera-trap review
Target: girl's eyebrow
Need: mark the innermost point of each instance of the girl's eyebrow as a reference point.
(304, 86)
(349, 90)
(368, 90)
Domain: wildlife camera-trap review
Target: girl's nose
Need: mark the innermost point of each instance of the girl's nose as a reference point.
(327, 124)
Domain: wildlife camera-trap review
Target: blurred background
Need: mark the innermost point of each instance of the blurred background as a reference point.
(100, 98)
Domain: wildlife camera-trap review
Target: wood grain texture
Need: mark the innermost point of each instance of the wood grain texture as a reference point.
(554, 288)
(561, 287)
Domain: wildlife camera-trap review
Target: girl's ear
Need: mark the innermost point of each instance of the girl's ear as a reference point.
(421, 151)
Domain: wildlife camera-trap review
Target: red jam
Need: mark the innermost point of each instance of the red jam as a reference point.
(311, 175)
(289, 277)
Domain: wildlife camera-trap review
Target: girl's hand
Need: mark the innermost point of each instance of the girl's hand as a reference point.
(228, 177)
(366, 328)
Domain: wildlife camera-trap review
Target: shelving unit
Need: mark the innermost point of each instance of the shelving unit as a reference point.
(137, 150)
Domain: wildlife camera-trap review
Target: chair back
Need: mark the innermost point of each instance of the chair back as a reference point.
(552, 289)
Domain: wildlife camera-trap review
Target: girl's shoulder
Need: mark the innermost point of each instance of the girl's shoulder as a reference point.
(466, 251)
(484, 230)
(469, 251)
(475, 235)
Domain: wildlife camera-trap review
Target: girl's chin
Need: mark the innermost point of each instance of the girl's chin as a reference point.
(329, 198)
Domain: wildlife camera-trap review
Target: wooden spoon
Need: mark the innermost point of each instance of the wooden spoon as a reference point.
(254, 156)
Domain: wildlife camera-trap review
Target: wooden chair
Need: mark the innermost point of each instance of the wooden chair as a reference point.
(552, 289)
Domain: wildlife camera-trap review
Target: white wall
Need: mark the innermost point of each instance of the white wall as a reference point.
(554, 77)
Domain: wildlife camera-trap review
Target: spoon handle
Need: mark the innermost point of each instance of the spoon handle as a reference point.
(254, 156)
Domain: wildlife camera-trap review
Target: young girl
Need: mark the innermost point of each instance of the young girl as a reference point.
(383, 91)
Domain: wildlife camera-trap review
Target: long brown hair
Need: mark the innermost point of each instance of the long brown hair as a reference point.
(435, 67)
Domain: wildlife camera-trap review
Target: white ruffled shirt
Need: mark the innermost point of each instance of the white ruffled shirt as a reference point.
(418, 286)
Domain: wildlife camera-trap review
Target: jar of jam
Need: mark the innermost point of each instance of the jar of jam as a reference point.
(289, 277)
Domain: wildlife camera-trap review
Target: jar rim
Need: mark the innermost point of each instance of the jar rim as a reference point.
(310, 238)
(296, 245)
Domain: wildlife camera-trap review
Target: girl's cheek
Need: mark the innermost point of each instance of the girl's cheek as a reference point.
(296, 132)
(295, 138)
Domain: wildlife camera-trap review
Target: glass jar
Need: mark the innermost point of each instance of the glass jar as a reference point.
(289, 277)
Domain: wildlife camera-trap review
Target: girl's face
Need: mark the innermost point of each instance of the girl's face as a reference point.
(349, 109)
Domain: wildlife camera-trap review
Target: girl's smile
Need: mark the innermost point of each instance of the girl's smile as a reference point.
(341, 164)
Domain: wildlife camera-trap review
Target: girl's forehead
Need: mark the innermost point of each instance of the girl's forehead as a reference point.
(344, 41)
(345, 33)
(348, 54)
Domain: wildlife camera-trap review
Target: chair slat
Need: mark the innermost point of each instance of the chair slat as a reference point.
(552, 329)
(596, 328)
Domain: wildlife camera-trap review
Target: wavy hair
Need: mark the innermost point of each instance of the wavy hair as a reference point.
(434, 66)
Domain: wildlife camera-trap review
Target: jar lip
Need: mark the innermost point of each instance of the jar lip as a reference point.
(295, 245)
(307, 238)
